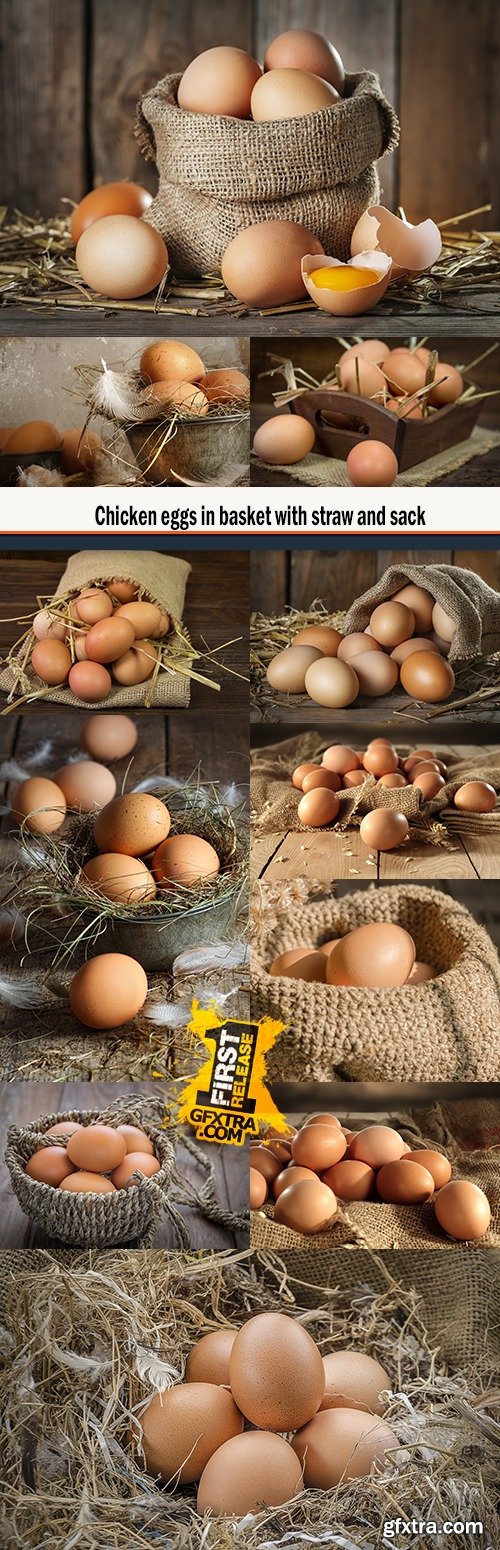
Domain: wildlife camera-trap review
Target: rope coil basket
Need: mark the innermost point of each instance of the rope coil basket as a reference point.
(446, 1029)
(130, 1216)
(219, 175)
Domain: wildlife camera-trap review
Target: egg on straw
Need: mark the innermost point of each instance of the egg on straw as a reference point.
(346, 289)
(411, 249)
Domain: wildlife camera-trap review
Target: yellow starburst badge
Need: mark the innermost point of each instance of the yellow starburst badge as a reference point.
(228, 1099)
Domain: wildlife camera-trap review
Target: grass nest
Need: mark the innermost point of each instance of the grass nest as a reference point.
(90, 1337)
(477, 684)
(47, 885)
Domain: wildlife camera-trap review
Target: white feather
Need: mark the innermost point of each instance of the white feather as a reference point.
(219, 955)
(168, 1014)
(22, 993)
(12, 770)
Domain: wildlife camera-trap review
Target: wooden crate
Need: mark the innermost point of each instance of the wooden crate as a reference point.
(412, 441)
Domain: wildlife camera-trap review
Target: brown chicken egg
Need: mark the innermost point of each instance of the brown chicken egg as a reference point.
(354, 1381)
(132, 824)
(318, 1147)
(462, 1210)
(219, 81)
(108, 736)
(169, 360)
(84, 1182)
(121, 257)
(361, 376)
(225, 386)
(300, 963)
(263, 1161)
(6, 432)
(404, 371)
(377, 1145)
(44, 624)
(444, 626)
(300, 49)
(64, 1127)
(427, 677)
(185, 860)
(92, 605)
(332, 683)
(350, 1180)
(420, 602)
(318, 807)
(107, 640)
(247, 1473)
(407, 647)
(49, 1165)
(287, 670)
(51, 661)
(326, 947)
(376, 956)
(421, 972)
(322, 1119)
(352, 645)
(449, 385)
(276, 1373)
(380, 760)
(475, 796)
(429, 783)
(183, 1427)
(282, 94)
(341, 759)
(437, 1165)
(321, 636)
(262, 265)
(39, 804)
(96, 1147)
(136, 665)
(148, 619)
(384, 829)
(123, 879)
(353, 778)
(109, 199)
(284, 438)
(321, 779)
(307, 1206)
(181, 398)
(33, 436)
(376, 673)
(79, 449)
(208, 1359)
(292, 1174)
(86, 785)
(391, 623)
(301, 771)
(342, 1444)
(89, 681)
(258, 1189)
(122, 591)
(135, 1139)
(393, 781)
(280, 1141)
(134, 1162)
(404, 1183)
(108, 991)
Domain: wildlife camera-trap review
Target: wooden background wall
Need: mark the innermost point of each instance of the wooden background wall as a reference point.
(71, 72)
(338, 576)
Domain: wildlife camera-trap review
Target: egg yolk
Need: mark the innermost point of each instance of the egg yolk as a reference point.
(344, 277)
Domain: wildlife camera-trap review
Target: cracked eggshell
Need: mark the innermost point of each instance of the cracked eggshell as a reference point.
(411, 249)
(348, 303)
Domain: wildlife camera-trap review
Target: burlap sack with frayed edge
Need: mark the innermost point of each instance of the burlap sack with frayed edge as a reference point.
(91, 1221)
(274, 800)
(163, 579)
(219, 175)
(465, 597)
(468, 1133)
(447, 1029)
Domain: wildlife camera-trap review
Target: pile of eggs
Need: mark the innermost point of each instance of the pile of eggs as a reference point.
(410, 383)
(107, 632)
(371, 957)
(305, 1172)
(342, 769)
(78, 449)
(40, 802)
(92, 1159)
(176, 380)
(270, 1374)
(406, 642)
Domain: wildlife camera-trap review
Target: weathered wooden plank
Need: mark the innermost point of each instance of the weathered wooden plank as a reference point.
(420, 862)
(220, 749)
(269, 581)
(480, 321)
(265, 850)
(483, 851)
(484, 562)
(336, 576)
(320, 856)
(42, 103)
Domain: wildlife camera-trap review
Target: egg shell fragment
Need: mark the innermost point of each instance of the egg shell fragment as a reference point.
(410, 249)
(348, 303)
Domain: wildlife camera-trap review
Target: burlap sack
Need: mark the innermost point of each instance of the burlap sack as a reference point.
(274, 800)
(447, 1029)
(467, 1132)
(467, 599)
(162, 579)
(94, 1221)
(220, 175)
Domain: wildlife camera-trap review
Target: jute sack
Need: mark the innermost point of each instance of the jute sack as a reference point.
(274, 800)
(219, 175)
(130, 1216)
(465, 597)
(163, 580)
(447, 1029)
(467, 1132)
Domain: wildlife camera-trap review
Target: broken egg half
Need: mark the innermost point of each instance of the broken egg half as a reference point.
(347, 289)
(410, 249)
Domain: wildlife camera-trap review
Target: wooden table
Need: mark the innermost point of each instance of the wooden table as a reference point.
(215, 615)
(393, 711)
(30, 1043)
(324, 856)
(480, 320)
(24, 1102)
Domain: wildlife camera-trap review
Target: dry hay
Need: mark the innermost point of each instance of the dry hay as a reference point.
(88, 1337)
